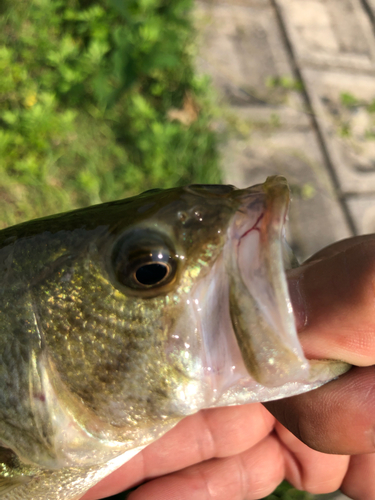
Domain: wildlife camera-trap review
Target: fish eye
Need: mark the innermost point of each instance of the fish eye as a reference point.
(152, 273)
(144, 260)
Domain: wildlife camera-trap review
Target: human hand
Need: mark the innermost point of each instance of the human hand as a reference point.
(242, 452)
(334, 301)
(224, 453)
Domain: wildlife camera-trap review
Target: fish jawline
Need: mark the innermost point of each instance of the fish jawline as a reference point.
(252, 353)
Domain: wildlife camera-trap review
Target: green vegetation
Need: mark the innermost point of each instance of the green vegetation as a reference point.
(286, 492)
(350, 107)
(349, 100)
(371, 106)
(285, 82)
(98, 101)
(344, 129)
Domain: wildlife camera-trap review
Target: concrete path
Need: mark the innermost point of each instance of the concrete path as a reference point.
(296, 80)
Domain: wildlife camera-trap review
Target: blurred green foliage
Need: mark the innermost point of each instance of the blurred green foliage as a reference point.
(286, 492)
(349, 100)
(98, 100)
(285, 82)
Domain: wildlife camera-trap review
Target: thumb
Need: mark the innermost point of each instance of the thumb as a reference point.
(333, 297)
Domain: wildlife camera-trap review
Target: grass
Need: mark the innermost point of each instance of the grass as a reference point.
(98, 101)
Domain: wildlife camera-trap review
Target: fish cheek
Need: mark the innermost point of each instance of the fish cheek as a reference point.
(110, 349)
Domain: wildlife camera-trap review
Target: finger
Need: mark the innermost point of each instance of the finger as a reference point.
(359, 482)
(218, 432)
(334, 303)
(340, 246)
(252, 474)
(336, 418)
(310, 470)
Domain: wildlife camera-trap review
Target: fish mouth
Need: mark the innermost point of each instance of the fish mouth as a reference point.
(261, 311)
(246, 335)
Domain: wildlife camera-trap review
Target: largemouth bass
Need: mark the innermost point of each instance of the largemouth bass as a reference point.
(120, 319)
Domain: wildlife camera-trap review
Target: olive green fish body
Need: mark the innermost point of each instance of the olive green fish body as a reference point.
(118, 320)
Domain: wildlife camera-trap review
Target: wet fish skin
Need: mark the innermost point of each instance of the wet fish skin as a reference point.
(95, 366)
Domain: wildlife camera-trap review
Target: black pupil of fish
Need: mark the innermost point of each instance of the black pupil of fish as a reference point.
(151, 274)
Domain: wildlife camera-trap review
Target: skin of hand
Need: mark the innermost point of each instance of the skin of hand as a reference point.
(243, 452)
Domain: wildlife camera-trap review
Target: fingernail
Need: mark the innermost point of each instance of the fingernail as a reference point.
(295, 279)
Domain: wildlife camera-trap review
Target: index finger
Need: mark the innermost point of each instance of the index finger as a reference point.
(218, 432)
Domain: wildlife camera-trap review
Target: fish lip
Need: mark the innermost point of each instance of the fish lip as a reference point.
(261, 309)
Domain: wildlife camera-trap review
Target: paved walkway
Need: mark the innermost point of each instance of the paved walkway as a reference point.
(296, 79)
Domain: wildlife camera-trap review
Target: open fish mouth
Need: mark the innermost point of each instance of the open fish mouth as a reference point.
(252, 351)
(260, 307)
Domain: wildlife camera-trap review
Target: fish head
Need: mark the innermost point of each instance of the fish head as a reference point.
(118, 311)
(169, 305)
